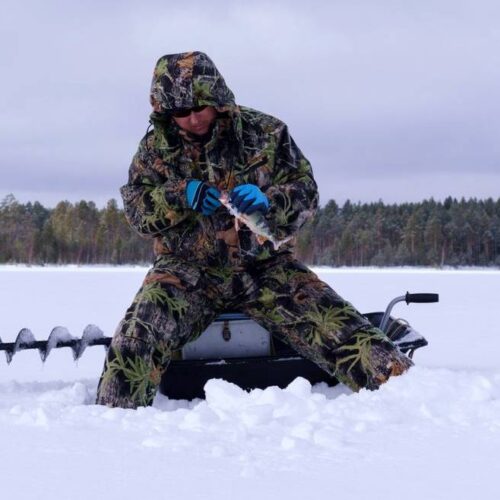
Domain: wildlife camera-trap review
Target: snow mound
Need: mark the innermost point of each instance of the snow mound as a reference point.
(416, 422)
(310, 419)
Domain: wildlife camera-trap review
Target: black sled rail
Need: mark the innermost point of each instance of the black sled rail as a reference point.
(59, 337)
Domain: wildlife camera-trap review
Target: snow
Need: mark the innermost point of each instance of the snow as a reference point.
(431, 434)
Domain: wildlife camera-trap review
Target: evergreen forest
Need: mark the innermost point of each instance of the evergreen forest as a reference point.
(428, 233)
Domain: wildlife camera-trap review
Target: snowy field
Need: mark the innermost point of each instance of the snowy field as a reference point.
(431, 434)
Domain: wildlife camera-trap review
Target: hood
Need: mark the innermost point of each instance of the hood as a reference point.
(188, 80)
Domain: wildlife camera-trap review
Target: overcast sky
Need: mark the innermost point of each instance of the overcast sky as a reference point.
(392, 100)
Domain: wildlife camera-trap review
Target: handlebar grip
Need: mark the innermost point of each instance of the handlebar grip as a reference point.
(421, 298)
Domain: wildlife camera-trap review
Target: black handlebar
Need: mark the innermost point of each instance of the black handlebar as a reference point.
(421, 298)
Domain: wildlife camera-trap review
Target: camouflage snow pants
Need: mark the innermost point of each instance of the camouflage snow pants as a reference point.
(178, 300)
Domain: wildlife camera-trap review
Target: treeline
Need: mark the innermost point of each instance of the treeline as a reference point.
(78, 233)
(429, 233)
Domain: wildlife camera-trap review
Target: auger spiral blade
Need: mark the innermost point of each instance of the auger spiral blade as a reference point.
(59, 337)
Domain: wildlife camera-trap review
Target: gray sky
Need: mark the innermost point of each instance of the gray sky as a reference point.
(392, 100)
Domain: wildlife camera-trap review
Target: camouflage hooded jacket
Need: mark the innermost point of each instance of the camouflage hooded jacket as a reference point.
(244, 146)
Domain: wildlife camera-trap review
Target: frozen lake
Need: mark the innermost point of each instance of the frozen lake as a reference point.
(431, 434)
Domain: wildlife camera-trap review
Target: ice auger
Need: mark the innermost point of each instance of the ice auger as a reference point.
(59, 337)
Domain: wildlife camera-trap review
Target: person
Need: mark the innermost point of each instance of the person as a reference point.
(202, 145)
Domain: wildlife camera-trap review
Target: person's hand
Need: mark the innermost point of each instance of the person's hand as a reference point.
(248, 198)
(202, 197)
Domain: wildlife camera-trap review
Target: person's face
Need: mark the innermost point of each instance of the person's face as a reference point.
(197, 121)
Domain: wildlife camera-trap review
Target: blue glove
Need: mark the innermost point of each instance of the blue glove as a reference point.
(202, 197)
(248, 198)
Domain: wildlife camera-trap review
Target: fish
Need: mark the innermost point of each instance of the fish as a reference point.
(255, 222)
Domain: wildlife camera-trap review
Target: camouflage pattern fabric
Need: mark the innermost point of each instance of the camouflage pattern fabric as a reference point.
(179, 299)
(244, 146)
(204, 266)
(188, 80)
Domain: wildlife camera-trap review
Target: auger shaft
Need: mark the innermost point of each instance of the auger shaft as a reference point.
(59, 337)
